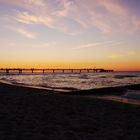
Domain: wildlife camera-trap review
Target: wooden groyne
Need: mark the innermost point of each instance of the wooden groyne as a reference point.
(33, 70)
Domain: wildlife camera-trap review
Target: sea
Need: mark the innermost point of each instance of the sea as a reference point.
(67, 82)
(73, 81)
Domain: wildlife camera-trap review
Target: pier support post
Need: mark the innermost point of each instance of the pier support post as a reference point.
(20, 71)
(32, 70)
(7, 71)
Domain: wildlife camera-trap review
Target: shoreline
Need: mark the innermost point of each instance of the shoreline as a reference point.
(29, 113)
(116, 94)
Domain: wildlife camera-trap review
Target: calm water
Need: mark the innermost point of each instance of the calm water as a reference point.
(74, 81)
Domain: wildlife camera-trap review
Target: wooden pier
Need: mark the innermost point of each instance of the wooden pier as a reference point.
(34, 70)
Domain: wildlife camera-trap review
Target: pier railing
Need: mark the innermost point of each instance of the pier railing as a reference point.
(33, 70)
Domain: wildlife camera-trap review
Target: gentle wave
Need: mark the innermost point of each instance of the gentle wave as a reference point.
(124, 76)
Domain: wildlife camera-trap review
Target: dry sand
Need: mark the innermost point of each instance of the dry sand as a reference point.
(35, 114)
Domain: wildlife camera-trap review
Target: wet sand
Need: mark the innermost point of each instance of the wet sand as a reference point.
(37, 114)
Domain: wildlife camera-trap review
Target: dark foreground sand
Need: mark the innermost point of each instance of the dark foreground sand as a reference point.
(33, 114)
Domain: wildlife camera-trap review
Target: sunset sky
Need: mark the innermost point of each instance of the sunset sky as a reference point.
(70, 34)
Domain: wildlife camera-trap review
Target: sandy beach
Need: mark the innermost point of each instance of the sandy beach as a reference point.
(37, 114)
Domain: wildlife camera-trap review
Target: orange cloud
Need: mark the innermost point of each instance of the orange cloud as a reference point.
(113, 7)
(122, 55)
(24, 32)
(27, 18)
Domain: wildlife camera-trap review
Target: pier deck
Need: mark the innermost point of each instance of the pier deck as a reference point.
(33, 70)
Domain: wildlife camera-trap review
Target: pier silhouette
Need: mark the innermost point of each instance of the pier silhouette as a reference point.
(41, 70)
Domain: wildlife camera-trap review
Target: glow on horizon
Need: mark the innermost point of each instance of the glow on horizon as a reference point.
(70, 34)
